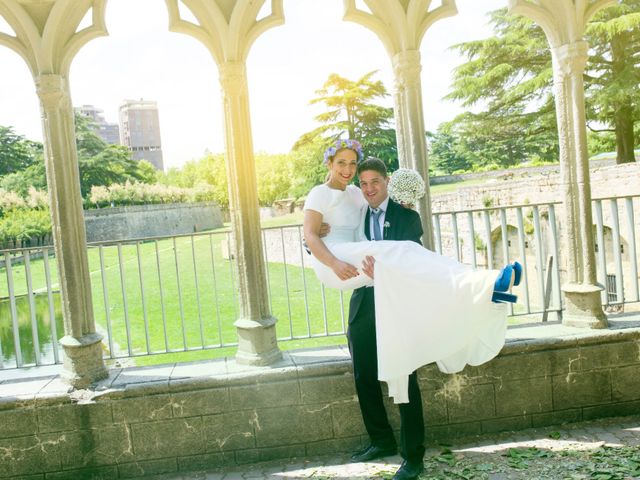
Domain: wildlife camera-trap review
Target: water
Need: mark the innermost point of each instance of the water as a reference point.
(45, 343)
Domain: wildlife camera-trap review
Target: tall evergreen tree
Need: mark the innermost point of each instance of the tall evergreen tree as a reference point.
(351, 112)
(22, 162)
(16, 152)
(510, 75)
(613, 74)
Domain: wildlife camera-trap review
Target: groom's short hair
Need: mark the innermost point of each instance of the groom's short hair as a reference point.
(372, 163)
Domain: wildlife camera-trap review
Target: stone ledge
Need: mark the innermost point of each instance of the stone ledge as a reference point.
(180, 417)
(305, 363)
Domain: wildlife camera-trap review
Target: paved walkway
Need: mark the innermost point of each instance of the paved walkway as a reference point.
(607, 449)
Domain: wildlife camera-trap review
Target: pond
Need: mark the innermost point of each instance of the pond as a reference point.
(42, 342)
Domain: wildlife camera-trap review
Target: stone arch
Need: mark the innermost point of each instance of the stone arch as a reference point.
(497, 247)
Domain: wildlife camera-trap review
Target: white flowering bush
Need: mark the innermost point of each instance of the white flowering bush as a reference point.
(143, 193)
(10, 201)
(406, 186)
(37, 199)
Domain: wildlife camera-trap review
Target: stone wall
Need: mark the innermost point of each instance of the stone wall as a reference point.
(185, 417)
(140, 221)
(527, 171)
(518, 188)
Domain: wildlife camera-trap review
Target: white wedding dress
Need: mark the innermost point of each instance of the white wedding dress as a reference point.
(429, 308)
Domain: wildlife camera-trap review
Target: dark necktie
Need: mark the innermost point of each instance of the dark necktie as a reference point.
(375, 217)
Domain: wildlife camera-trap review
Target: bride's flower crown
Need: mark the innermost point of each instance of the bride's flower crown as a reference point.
(341, 144)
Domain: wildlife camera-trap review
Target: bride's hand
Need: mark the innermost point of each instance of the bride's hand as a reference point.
(344, 270)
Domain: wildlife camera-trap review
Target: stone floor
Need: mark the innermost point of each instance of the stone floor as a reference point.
(606, 449)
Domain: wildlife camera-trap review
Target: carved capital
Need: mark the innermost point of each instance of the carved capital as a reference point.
(233, 77)
(407, 68)
(52, 90)
(569, 59)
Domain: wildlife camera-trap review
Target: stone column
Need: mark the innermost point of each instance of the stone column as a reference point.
(411, 131)
(400, 25)
(564, 22)
(582, 292)
(228, 29)
(82, 346)
(257, 344)
(47, 37)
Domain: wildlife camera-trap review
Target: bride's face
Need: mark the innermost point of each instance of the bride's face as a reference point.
(343, 168)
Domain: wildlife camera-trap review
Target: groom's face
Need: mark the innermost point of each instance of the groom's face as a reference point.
(374, 187)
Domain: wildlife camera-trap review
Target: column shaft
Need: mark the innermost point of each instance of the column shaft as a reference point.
(412, 143)
(582, 293)
(83, 362)
(256, 326)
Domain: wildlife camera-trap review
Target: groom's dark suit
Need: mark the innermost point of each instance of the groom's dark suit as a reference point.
(403, 224)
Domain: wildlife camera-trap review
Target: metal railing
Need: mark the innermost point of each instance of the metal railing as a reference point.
(177, 294)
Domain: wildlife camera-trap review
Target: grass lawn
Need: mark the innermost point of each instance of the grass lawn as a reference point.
(181, 292)
(190, 300)
(454, 187)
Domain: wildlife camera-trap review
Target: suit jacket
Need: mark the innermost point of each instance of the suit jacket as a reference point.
(404, 224)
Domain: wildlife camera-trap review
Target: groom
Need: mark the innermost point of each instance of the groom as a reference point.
(385, 219)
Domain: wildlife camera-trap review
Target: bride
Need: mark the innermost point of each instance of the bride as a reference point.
(429, 308)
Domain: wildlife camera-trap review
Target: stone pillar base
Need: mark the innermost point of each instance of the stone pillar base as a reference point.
(83, 364)
(257, 344)
(583, 306)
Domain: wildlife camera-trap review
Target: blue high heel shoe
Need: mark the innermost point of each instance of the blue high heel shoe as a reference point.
(503, 297)
(517, 271)
(503, 282)
(510, 273)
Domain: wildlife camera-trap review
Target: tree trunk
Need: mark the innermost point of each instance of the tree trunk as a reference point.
(623, 119)
(623, 115)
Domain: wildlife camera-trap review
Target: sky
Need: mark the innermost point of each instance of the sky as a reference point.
(141, 59)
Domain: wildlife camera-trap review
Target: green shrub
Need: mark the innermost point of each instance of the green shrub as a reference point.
(24, 226)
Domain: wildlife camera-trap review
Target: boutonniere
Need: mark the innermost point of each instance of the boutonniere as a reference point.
(386, 225)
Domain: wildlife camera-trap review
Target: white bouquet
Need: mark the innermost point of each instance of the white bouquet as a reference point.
(406, 186)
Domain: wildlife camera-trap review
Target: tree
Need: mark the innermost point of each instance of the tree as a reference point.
(273, 175)
(16, 152)
(511, 73)
(103, 164)
(112, 165)
(445, 153)
(20, 182)
(613, 73)
(350, 112)
(210, 170)
(99, 163)
(307, 167)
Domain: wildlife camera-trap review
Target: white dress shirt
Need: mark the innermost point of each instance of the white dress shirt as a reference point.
(382, 206)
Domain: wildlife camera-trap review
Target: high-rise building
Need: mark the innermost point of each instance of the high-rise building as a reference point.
(109, 132)
(140, 130)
